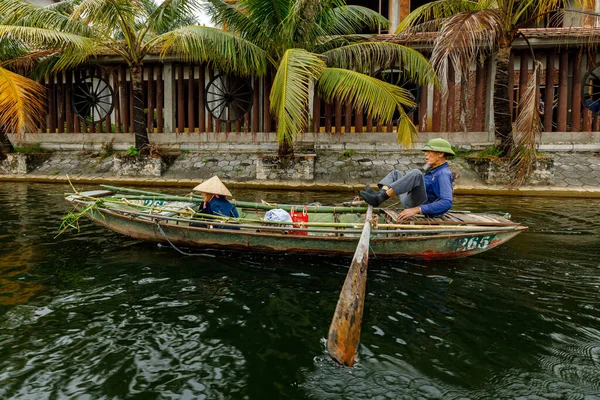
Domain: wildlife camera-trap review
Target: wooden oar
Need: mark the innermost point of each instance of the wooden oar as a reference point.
(344, 332)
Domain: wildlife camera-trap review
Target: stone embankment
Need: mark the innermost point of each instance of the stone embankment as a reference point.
(568, 169)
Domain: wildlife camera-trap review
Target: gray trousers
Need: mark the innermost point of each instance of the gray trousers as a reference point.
(409, 188)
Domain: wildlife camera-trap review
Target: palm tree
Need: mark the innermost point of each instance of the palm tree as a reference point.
(307, 42)
(21, 99)
(312, 45)
(469, 30)
(76, 30)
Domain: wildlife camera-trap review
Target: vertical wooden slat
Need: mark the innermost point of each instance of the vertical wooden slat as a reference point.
(116, 102)
(328, 117)
(549, 94)
(523, 77)
(201, 99)
(124, 99)
(451, 101)
(190, 98)
(107, 120)
(160, 99)
(423, 110)
(51, 104)
(151, 99)
(227, 126)
(576, 94)
(338, 116)
(316, 123)
(255, 105)
(267, 103)
(60, 103)
(68, 101)
(238, 124)
(131, 107)
(358, 120)
(436, 112)
(479, 99)
(511, 84)
(563, 91)
(209, 126)
(348, 119)
(44, 121)
(84, 124)
(587, 113)
(180, 99)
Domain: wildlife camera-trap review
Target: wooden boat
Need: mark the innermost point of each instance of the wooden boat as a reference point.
(173, 220)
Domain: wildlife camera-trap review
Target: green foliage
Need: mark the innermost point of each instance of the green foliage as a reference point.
(346, 155)
(29, 149)
(490, 152)
(461, 151)
(132, 152)
(71, 219)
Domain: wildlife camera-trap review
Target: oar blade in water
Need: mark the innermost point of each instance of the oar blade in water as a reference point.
(344, 332)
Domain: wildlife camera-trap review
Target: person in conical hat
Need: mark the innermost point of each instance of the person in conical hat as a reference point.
(428, 193)
(214, 194)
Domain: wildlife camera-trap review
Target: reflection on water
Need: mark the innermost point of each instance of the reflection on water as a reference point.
(97, 315)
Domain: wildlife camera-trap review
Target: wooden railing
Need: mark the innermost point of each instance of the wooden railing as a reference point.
(174, 96)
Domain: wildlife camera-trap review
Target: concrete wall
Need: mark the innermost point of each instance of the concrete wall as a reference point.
(266, 142)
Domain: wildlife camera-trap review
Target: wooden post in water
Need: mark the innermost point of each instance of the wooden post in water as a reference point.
(344, 332)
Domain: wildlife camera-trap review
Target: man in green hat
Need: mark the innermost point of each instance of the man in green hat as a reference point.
(428, 193)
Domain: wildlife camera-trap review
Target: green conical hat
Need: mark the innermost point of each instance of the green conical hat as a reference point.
(438, 144)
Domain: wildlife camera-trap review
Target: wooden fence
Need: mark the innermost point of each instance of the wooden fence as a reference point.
(175, 98)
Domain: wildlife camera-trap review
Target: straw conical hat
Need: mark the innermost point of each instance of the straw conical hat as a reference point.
(213, 186)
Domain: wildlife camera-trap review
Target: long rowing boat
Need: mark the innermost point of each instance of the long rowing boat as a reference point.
(174, 220)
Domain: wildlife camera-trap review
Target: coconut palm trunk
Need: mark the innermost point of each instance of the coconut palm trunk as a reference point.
(140, 129)
(502, 106)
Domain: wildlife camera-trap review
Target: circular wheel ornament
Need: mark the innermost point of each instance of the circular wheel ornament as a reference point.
(399, 77)
(92, 98)
(590, 91)
(228, 98)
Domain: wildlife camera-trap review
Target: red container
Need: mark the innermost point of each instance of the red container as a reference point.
(298, 216)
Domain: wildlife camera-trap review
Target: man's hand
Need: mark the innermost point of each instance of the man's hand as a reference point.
(408, 212)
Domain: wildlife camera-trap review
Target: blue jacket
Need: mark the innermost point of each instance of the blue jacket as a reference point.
(438, 184)
(220, 206)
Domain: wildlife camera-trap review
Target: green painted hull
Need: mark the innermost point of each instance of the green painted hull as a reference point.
(426, 244)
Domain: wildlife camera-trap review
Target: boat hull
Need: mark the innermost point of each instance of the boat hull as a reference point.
(415, 246)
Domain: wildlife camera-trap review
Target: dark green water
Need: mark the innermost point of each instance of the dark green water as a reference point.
(94, 315)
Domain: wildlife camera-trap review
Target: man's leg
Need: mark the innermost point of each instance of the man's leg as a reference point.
(410, 189)
(390, 178)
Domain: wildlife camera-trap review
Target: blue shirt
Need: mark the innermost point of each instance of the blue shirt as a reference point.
(438, 185)
(220, 206)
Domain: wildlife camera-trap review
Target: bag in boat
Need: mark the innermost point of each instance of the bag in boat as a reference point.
(299, 216)
(278, 215)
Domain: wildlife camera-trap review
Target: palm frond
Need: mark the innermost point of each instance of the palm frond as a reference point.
(21, 101)
(108, 14)
(290, 91)
(299, 28)
(526, 129)
(436, 10)
(378, 98)
(237, 20)
(221, 49)
(171, 14)
(73, 49)
(347, 20)
(463, 38)
(365, 56)
(19, 12)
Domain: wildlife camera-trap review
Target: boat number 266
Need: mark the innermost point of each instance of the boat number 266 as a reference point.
(471, 243)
